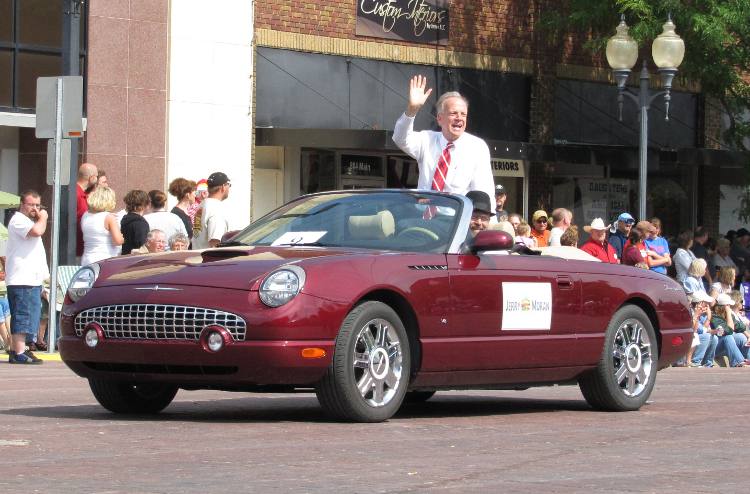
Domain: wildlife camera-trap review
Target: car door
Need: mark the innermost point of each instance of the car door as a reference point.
(512, 311)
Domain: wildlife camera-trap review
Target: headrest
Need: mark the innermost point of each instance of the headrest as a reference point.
(372, 227)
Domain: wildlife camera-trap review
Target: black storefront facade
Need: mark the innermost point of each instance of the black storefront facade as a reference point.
(324, 122)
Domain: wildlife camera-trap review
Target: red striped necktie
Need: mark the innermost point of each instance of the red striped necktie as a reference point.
(438, 181)
(441, 171)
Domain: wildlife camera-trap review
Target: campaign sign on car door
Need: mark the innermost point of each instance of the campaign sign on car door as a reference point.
(527, 306)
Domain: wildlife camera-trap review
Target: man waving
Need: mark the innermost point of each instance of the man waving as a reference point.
(451, 160)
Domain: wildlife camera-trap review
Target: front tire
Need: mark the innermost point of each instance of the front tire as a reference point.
(369, 374)
(125, 397)
(626, 373)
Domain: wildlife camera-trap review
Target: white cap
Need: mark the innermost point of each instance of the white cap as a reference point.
(701, 296)
(724, 299)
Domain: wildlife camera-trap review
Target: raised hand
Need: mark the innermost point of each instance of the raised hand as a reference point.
(418, 94)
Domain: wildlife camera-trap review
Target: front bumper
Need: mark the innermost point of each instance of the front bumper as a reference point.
(271, 353)
(186, 363)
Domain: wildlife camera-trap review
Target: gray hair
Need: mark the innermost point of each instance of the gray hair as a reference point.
(153, 233)
(440, 105)
(178, 237)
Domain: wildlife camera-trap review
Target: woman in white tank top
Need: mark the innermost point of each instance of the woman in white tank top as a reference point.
(101, 231)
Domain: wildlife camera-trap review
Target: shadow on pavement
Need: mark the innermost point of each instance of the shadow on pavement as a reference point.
(303, 409)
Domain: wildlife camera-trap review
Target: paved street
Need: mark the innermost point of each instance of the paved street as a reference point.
(55, 438)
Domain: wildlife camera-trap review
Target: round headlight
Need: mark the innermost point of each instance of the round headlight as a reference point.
(82, 281)
(282, 286)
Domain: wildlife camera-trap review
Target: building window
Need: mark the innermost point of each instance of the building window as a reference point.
(31, 46)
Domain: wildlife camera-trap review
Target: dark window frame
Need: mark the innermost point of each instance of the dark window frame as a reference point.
(17, 48)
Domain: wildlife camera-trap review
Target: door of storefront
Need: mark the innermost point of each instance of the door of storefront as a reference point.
(511, 174)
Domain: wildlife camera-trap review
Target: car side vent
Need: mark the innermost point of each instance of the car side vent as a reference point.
(429, 267)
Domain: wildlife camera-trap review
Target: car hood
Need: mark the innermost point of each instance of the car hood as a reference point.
(229, 267)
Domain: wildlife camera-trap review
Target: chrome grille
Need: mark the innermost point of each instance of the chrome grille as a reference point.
(158, 322)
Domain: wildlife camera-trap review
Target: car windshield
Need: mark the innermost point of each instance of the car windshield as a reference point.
(400, 221)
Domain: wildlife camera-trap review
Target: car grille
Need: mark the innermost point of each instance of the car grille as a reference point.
(158, 322)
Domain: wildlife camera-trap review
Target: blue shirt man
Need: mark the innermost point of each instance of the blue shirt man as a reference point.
(620, 231)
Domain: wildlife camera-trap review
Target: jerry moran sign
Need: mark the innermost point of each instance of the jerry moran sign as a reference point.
(418, 21)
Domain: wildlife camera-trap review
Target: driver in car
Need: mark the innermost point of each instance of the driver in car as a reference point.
(482, 213)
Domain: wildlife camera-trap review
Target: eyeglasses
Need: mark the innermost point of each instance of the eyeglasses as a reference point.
(541, 220)
(629, 222)
(480, 217)
(36, 205)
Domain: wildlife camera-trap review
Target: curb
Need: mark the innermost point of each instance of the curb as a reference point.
(54, 357)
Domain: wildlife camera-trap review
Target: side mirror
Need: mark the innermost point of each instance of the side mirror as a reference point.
(491, 240)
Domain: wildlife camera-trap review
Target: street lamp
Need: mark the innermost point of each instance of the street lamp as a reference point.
(667, 50)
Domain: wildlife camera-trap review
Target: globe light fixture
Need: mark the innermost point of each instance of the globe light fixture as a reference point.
(667, 50)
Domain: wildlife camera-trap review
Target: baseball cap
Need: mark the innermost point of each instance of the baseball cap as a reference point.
(596, 224)
(201, 185)
(626, 218)
(724, 299)
(217, 178)
(499, 189)
(540, 213)
(481, 201)
(742, 232)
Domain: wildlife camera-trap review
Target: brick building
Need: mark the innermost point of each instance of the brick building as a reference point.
(328, 93)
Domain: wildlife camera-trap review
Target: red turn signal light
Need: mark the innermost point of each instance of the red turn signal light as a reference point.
(313, 353)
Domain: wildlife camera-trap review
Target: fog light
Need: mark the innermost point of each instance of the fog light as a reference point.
(215, 341)
(214, 338)
(91, 338)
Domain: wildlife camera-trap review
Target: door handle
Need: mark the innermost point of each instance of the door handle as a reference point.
(564, 282)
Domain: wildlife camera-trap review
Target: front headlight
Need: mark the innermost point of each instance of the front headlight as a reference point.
(282, 285)
(82, 281)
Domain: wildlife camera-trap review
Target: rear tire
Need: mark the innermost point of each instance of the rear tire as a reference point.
(626, 372)
(125, 397)
(369, 373)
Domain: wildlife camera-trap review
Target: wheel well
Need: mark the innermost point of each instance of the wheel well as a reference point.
(405, 312)
(651, 313)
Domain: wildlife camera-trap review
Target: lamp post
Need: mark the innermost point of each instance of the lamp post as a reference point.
(667, 50)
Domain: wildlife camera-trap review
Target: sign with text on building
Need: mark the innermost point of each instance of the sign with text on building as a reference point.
(507, 167)
(418, 21)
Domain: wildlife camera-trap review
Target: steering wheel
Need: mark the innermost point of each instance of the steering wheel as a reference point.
(417, 232)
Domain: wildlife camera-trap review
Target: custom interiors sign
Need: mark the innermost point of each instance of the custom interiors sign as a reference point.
(418, 21)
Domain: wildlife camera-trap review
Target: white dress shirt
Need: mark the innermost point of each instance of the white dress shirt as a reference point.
(470, 158)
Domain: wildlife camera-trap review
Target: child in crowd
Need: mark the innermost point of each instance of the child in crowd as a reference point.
(524, 235)
(4, 310)
(702, 354)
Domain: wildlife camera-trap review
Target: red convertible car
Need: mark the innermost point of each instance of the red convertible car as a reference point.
(369, 298)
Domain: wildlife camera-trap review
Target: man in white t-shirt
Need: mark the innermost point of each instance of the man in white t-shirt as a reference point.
(211, 221)
(25, 271)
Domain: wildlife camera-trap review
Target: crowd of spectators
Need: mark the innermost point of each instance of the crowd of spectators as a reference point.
(143, 226)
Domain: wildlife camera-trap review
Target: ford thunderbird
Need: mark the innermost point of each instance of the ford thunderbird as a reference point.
(369, 299)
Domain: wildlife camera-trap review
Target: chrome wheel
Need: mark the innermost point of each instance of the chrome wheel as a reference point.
(377, 362)
(626, 372)
(631, 354)
(370, 367)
